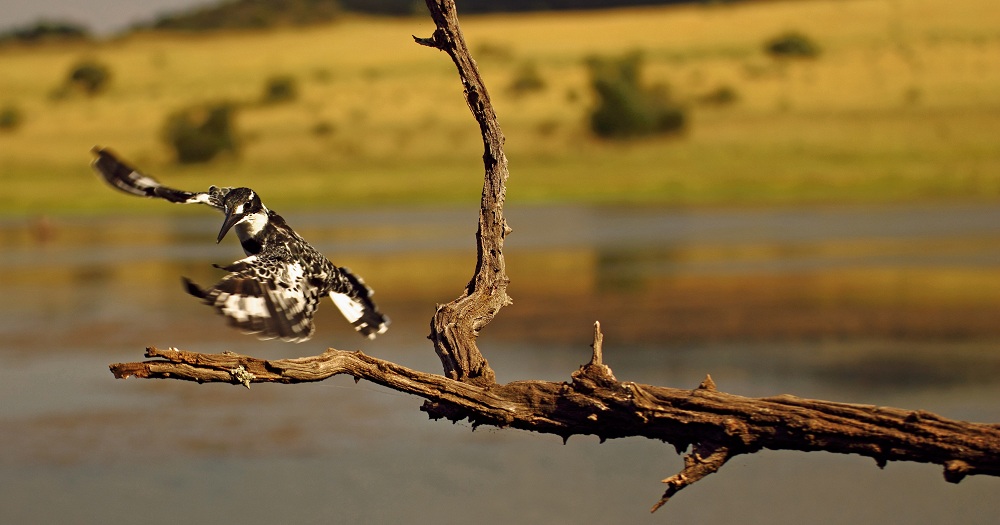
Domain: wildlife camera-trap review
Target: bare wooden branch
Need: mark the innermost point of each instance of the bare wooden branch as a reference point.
(714, 425)
(456, 325)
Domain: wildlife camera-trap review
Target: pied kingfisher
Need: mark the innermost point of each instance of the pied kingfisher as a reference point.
(275, 290)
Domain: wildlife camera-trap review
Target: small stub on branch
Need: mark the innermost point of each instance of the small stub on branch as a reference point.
(708, 384)
(956, 470)
(428, 41)
(598, 345)
(704, 459)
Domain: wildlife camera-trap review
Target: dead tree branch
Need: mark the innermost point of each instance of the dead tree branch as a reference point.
(715, 426)
(456, 325)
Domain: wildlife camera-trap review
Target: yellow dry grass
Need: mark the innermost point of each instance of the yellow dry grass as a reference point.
(902, 104)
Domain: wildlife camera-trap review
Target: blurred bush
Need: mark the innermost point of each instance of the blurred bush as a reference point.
(323, 128)
(10, 118)
(201, 132)
(723, 95)
(792, 44)
(501, 52)
(527, 79)
(625, 107)
(87, 76)
(279, 89)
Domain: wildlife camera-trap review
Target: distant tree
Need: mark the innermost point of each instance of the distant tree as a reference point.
(256, 14)
(251, 14)
(45, 30)
(384, 7)
(88, 76)
(10, 118)
(627, 108)
(409, 7)
(280, 88)
(201, 132)
(792, 44)
(723, 95)
(527, 79)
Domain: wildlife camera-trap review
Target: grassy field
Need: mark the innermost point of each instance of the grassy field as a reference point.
(902, 104)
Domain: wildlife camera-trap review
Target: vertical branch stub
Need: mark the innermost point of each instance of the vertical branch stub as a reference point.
(598, 345)
(595, 371)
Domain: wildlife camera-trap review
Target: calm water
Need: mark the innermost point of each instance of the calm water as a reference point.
(681, 294)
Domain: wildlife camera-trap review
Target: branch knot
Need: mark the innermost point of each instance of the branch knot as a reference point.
(438, 40)
(242, 376)
(956, 470)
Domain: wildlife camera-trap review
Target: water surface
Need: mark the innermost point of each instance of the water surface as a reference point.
(889, 306)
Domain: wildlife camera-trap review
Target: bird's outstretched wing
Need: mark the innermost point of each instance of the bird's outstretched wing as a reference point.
(354, 300)
(124, 177)
(267, 296)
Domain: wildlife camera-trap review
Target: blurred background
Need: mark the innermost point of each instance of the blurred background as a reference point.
(796, 197)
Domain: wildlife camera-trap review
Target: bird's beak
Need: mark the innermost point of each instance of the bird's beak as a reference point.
(231, 220)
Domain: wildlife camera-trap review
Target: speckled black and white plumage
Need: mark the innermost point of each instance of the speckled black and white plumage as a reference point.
(275, 290)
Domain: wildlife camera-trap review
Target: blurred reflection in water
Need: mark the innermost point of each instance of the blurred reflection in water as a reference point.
(890, 306)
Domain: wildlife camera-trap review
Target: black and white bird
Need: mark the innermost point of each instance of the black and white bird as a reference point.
(275, 290)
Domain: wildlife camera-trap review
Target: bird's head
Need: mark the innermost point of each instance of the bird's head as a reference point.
(242, 205)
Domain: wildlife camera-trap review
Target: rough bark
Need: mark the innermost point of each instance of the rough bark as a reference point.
(714, 426)
(456, 325)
